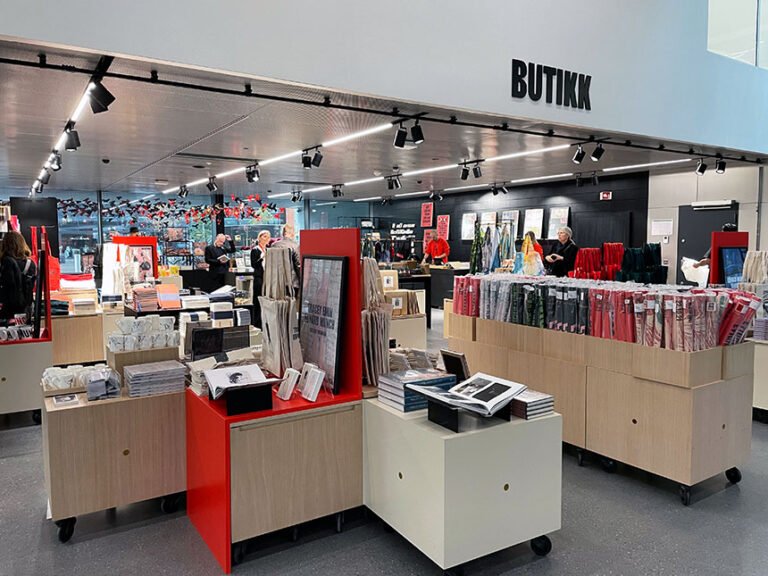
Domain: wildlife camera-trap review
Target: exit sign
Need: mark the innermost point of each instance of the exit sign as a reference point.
(606, 195)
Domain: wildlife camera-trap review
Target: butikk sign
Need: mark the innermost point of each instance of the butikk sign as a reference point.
(563, 87)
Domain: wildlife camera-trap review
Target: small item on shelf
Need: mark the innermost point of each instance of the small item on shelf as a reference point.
(394, 393)
(305, 375)
(482, 394)
(154, 378)
(313, 383)
(65, 400)
(290, 379)
(530, 404)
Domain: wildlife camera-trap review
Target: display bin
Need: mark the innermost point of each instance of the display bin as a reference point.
(78, 339)
(684, 369)
(447, 311)
(567, 382)
(609, 354)
(462, 327)
(738, 360)
(564, 346)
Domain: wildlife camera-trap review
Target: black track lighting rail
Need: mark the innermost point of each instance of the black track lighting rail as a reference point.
(394, 113)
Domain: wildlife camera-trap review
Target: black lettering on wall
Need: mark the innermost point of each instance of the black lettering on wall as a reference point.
(549, 72)
(534, 81)
(567, 88)
(559, 97)
(519, 70)
(570, 89)
(584, 84)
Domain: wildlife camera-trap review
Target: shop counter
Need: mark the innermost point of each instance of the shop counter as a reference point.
(110, 453)
(78, 339)
(461, 496)
(255, 473)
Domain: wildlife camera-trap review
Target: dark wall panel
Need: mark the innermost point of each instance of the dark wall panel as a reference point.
(38, 212)
(622, 219)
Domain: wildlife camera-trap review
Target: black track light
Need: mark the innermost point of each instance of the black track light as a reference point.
(494, 191)
(439, 197)
(464, 172)
(597, 153)
(336, 191)
(720, 166)
(100, 98)
(416, 133)
(504, 189)
(390, 184)
(579, 180)
(701, 167)
(252, 174)
(579, 156)
(183, 191)
(477, 172)
(56, 162)
(595, 179)
(212, 187)
(385, 201)
(317, 159)
(397, 183)
(401, 136)
(72, 142)
(46, 177)
(296, 196)
(432, 194)
(306, 161)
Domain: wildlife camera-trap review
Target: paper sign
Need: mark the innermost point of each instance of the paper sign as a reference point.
(427, 209)
(558, 217)
(662, 227)
(487, 219)
(443, 226)
(534, 221)
(468, 220)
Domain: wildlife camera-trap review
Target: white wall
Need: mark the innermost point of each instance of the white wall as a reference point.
(652, 73)
(667, 192)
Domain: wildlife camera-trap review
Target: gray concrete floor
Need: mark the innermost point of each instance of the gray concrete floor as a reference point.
(627, 523)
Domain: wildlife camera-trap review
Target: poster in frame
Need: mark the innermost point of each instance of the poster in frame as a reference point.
(322, 313)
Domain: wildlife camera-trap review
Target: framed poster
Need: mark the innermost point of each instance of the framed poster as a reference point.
(558, 217)
(427, 209)
(534, 221)
(487, 219)
(468, 220)
(443, 226)
(320, 323)
(512, 218)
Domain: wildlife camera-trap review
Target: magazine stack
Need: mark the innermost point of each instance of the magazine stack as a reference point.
(393, 391)
(531, 404)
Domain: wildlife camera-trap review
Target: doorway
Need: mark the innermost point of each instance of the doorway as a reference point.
(695, 230)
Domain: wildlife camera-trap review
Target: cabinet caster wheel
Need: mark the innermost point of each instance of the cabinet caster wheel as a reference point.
(339, 522)
(37, 416)
(66, 529)
(580, 457)
(455, 571)
(733, 475)
(294, 534)
(609, 465)
(238, 553)
(685, 495)
(169, 504)
(541, 546)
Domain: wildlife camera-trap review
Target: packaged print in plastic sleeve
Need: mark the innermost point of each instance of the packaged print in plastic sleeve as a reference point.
(679, 329)
(551, 307)
(650, 319)
(596, 312)
(688, 323)
(699, 321)
(638, 305)
(668, 302)
(710, 335)
(571, 310)
(583, 323)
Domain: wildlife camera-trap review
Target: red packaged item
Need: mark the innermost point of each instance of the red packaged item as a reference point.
(679, 329)
(596, 312)
(474, 296)
(710, 312)
(608, 315)
(669, 321)
(688, 322)
(699, 321)
(650, 319)
(638, 306)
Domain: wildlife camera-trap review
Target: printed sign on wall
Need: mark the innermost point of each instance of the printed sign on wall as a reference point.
(558, 217)
(443, 226)
(427, 209)
(511, 218)
(534, 221)
(468, 220)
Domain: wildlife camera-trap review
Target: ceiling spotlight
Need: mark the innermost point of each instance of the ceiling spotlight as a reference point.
(595, 179)
(183, 191)
(72, 141)
(477, 171)
(385, 201)
(100, 97)
(579, 156)
(212, 187)
(390, 184)
(464, 172)
(296, 196)
(306, 161)
(579, 180)
(495, 191)
(317, 159)
(701, 167)
(397, 183)
(56, 162)
(720, 166)
(336, 191)
(46, 177)
(504, 189)
(597, 153)
(252, 174)
(416, 134)
(401, 136)
(439, 197)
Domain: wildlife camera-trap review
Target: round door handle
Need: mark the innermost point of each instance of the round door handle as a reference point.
(126, 452)
(2, 379)
(400, 475)
(634, 420)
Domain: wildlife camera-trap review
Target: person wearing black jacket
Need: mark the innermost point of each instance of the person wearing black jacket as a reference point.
(562, 258)
(258, 254)
(217, 259)
(17, 277)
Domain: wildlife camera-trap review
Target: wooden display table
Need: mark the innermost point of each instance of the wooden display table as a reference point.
(21, 369)
(256, 473)
(457, 497)
(78, 339)
(109, 453)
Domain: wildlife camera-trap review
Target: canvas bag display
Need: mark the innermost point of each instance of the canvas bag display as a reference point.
(376, 318)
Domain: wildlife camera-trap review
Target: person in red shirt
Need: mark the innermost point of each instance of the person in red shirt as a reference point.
(536, 245)
(437, 249)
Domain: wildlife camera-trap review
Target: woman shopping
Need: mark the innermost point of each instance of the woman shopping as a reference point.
(258, 254)
(17, 277)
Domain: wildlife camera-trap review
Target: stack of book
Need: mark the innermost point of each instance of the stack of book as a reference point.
(154, 378)
(242, 317)
(168, 296)
(145, 299)
(392, 390)
(760, 329)
(531, 404)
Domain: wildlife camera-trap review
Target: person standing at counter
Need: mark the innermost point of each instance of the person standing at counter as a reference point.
(216, 256)
(562, 258)
(258, 255)
(437, 249)
(17, 276)
(288, 241)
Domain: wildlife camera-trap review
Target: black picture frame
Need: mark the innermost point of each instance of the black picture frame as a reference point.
(330, 272)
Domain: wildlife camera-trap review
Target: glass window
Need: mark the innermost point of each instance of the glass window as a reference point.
(245, 230)
(733, 28)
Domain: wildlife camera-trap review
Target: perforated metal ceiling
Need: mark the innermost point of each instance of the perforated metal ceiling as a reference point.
(160, 133)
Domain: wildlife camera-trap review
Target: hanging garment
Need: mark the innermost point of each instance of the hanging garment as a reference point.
(506, 247)
(476, 252)
(487, 251)
(495, 243)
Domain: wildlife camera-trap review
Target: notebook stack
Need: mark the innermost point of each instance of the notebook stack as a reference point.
(168, 296)
(242, 317)
(194, 302)
(154, 378)
(393, 393)
(222, 315)
(760, 329)
(530, 404)
(145, 299)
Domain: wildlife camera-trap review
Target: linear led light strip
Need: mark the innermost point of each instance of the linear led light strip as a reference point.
(294, 154)
(649, 165)
(439, 169)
